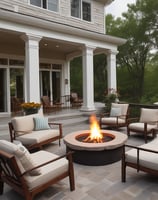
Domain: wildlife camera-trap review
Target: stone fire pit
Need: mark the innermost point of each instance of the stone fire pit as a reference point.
(96, 153)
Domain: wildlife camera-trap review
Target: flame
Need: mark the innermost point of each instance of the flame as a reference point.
(95, 132)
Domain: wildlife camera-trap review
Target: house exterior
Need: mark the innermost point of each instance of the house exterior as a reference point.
(39, 38)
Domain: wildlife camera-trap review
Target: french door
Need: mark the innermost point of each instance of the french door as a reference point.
(50, 85)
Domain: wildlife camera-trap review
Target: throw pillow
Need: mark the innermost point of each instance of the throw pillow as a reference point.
(115, 112)
(40, 123)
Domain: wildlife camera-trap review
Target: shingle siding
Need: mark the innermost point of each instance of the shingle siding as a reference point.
(63, 16)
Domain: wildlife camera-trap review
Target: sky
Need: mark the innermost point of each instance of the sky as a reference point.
(117, 7)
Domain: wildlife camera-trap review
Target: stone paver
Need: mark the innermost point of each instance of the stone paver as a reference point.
(96, 182)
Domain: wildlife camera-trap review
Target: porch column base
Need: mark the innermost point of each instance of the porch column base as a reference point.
(88, 109)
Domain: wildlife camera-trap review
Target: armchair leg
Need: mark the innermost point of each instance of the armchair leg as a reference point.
(1, 187)
(123, 168)
(71, 173)
(145, 137)
(128, 131)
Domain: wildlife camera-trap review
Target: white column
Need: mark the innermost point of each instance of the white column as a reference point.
(32, 88)
(111, 71)
(88, 80)
(66, 83)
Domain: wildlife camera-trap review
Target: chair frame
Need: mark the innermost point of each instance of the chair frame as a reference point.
(10, 174)
(75, 102)
(39, 145)
(145, 131)
(116, 125)
(136, 165)
(50, 108)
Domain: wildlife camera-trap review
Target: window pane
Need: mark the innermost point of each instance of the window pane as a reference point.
(36, 2)
(53, 5)
(75, 8)
(44, 4)
(86, 11)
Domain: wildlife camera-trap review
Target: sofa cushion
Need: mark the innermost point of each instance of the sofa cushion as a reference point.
(24, 124)
(48, 171)
(149, 115)
(21, 154)
(38, 136)
(41, 123)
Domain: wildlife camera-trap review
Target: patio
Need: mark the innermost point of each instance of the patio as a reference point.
(96, 182)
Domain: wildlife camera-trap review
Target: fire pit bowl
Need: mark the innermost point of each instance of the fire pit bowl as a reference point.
(95, 154)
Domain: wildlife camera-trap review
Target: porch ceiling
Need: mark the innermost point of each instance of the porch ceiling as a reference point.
(10, 41)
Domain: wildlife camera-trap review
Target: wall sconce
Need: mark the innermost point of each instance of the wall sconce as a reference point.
(66, 81)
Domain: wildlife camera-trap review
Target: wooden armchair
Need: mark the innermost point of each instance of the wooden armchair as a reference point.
(146, 124)
(28, 174)
(75, 100)
(142, 158)
(117, 117)
(16, 105)
(49, 106)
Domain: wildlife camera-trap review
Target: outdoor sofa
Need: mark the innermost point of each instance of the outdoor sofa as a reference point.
(34, 131)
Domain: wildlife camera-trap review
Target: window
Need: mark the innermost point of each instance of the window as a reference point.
(86, 11)
(81, 9)
(52, 5)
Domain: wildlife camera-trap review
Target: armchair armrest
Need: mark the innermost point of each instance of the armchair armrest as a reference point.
(134, 119)
(51, 124)
(104, 115)
(67, 155)
(138, 149)
(11, 132)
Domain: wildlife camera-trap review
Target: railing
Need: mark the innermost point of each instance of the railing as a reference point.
(134, 108)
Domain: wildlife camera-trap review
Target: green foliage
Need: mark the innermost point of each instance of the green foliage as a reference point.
(141, 33)
(76, 76)
(110, 98)
(100, 76)
(137, 68)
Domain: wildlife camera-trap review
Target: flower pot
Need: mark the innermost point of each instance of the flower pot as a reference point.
(31, 111)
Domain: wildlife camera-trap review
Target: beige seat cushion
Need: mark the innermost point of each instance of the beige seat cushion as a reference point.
(24, 124)
(112, 120)
(140, 126)
(147, 159)
(37, 136)
(48, 171)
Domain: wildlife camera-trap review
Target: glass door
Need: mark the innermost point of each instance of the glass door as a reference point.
(50, 85)
(3, 90)
(56, 86)
(16, 88)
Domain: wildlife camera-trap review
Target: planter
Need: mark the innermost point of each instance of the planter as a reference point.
(31, 111)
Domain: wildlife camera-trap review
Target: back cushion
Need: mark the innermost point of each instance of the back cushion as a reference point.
(149, 115)
(122, 106)
(22, 155)
(24, 124)
(115, 112)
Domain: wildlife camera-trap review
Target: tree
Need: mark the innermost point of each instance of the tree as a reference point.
(140, 32)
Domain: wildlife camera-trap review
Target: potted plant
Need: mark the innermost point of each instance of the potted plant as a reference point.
(30, 107)
(111, 97)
